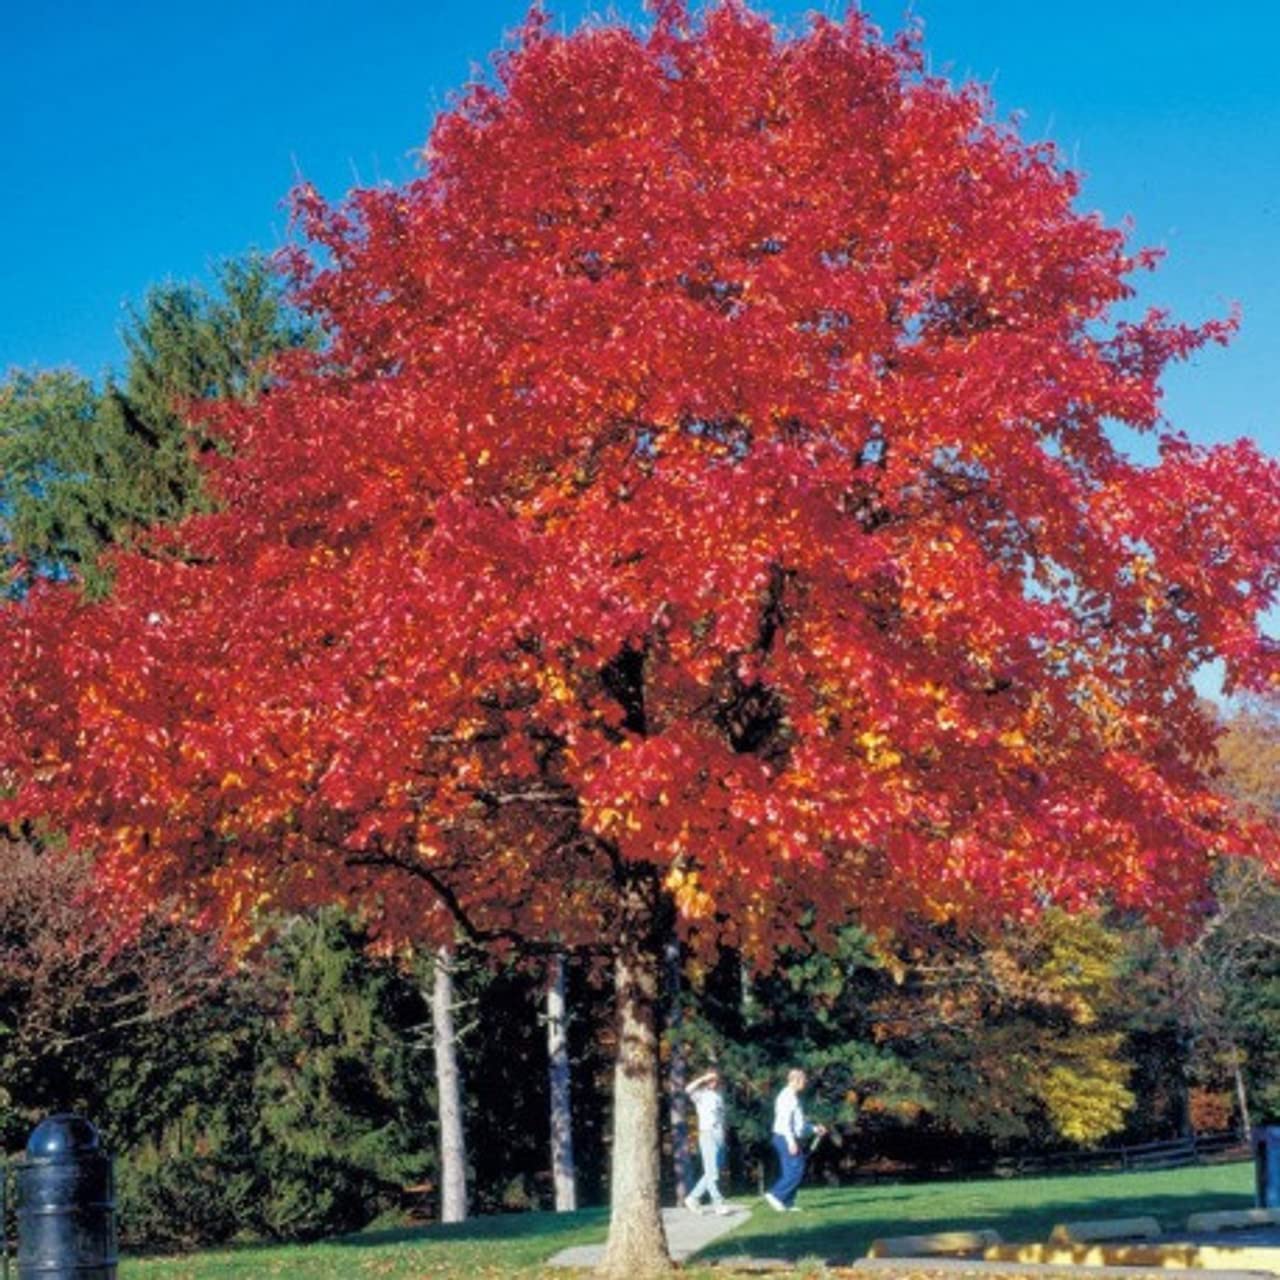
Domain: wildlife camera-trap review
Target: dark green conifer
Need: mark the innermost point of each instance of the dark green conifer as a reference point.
(82, 469)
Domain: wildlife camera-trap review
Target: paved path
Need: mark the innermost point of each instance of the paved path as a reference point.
(686, 1234)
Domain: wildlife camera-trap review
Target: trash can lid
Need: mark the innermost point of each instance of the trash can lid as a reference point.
(62, 1137)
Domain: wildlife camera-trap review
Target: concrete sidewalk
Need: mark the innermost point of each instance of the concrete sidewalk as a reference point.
(686, 1233)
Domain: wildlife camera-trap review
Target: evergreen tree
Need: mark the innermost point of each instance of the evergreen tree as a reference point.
(297, 1103)
(187, 344)
(343, 1087)
(70, 469)
(1255, 1007)
(82, 470)
(813, 1011)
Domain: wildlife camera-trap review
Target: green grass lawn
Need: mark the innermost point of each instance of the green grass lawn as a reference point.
(499, 1245)
(838, 1223)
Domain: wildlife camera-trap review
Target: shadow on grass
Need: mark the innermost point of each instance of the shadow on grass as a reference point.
(847, 1237)
(505, 1226)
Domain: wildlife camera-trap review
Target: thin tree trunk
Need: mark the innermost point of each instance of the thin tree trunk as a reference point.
(1242, 1096)
(637, 1244)
(677, 1077)
(1187, 1049)
(562, 1167)
(453, 1145)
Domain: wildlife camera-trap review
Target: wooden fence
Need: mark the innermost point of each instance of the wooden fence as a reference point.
(1202, 1148)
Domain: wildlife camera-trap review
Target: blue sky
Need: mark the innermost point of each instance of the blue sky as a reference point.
(142, 141)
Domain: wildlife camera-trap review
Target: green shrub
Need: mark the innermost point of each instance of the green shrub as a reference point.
(304, 1198)
(179, 1202)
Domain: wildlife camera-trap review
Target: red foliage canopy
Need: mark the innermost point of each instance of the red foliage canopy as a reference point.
(710, 470)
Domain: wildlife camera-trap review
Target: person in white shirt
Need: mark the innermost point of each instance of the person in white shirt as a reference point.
(789, 1128)
(708, 1099)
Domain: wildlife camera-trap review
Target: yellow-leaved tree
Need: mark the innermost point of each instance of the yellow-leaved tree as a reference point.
(1019, 1037)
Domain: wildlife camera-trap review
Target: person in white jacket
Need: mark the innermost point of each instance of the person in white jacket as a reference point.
(789, 1129)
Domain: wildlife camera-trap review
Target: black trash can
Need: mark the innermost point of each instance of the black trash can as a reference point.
(1266, 1164)
(66, 1204)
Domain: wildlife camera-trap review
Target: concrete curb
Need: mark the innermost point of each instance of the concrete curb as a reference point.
(892, 1267)
(933, 1244)
(1145, 1228)
(1188, 1257)
(1234, 1220)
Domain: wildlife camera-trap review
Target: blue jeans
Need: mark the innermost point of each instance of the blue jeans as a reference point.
(711, 1148)
(791, 1171)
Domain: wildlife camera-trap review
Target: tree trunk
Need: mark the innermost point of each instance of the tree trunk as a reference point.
(637, 1244)
(562, 1169)
(453, 1145)
(677, 1077)
(1186, 1051)
(1242, 1096)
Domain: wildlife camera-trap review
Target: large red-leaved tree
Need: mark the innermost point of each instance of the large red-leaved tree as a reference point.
(706, 516)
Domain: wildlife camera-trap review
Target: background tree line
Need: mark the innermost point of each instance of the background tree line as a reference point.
(291, 1091)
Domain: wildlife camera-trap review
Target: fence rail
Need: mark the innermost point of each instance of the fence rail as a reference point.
(1201, 1148)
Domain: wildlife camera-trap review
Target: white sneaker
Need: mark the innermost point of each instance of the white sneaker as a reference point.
(723, 1209)
(774, 1203)
(692, 1205)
